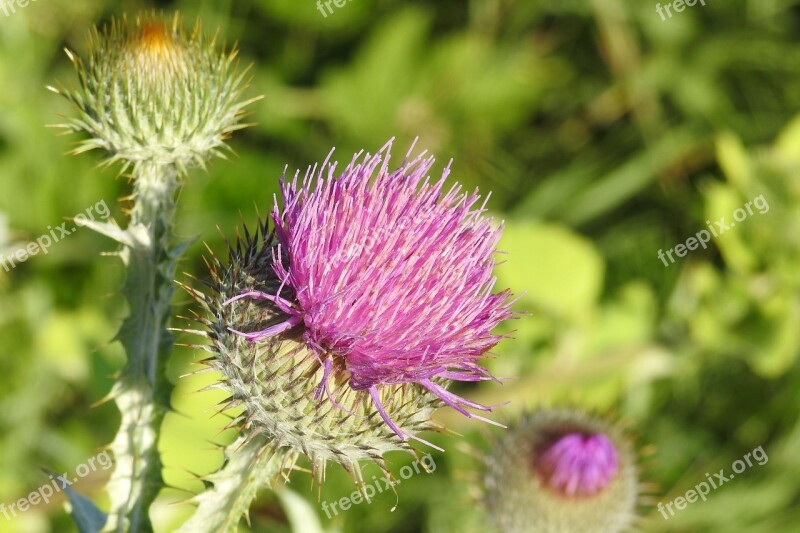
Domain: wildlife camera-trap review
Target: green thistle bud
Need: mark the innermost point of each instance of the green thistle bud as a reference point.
(274, 384)
(150, 93)
(561, 471)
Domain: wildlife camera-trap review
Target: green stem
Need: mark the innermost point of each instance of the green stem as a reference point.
(142, 390)
(249, 465)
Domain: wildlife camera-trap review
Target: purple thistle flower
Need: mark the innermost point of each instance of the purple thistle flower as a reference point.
(387, 277)
(578, 464)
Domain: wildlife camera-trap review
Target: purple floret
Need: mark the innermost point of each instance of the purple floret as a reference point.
(388, 276)
(578, 464)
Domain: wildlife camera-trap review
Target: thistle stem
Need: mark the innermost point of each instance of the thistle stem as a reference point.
(142, 390)
(249, 465)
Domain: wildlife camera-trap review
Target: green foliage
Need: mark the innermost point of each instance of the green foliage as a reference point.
(605, 134)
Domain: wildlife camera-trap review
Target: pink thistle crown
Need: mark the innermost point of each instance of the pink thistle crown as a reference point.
(387, 277)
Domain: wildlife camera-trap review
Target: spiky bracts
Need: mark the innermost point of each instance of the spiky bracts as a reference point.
(385, 277)
(275, 383)
(150, 92)
(561, 471)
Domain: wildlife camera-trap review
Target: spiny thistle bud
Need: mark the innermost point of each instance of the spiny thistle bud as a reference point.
(338, 332)
(151, 93)
(561, 471)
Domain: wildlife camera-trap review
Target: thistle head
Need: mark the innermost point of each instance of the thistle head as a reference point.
(151, 93)
(340, 330)
(561, 471)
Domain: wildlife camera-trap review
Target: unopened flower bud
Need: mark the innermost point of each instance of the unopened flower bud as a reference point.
(150, 93)
(561, 471)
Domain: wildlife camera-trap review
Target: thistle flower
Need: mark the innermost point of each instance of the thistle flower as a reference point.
(339, 330)
(561, 471)
(150, 93)
(390, 279)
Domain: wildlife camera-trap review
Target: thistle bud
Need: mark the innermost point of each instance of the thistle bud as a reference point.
(561, 471)
(150, 93)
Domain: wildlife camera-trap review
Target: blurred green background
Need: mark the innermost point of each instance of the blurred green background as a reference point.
(605, 135)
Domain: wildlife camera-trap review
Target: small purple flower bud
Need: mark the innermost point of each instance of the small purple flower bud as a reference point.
(561, 471)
